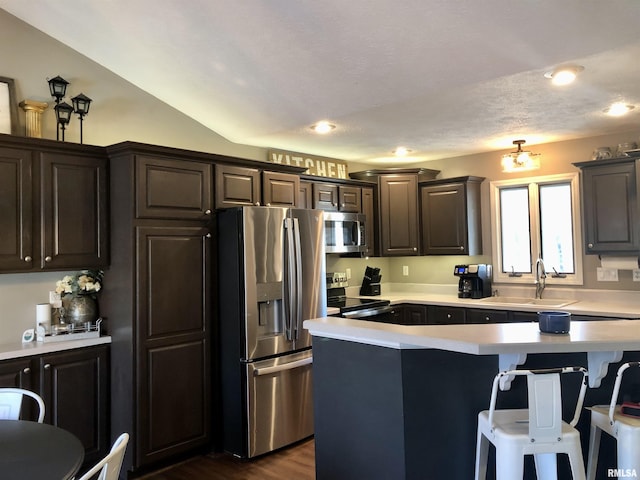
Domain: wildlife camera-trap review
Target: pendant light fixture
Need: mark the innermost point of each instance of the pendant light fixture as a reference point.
(520, 160)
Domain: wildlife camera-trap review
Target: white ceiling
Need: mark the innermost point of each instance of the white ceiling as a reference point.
(441, 77)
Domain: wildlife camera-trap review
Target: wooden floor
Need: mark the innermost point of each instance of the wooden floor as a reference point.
(296, 462)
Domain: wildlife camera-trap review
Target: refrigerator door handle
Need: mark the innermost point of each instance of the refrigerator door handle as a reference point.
(289, 283)
(296, 322)
(285, 366)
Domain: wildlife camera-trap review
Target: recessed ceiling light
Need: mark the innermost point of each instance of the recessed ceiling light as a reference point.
(401, 152)
(564, 75)
(618, 109)
(323, 127)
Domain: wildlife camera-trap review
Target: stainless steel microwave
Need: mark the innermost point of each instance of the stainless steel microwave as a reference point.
(344, 232)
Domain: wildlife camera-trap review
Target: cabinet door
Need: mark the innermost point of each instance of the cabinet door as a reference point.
(305, 197)
(399, 215)
(610, 208)
(519, 317)
(368, 208)
(237, 186)
(173, 359)
(280, 189)
(349, 199)
(74, 211)
(415, 314)
(444, 220)
(74, 386)
(16, 210)
(173, 189)
(18, 373)
(325, 196)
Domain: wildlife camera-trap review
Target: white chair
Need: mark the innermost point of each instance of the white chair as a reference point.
(625, 429)
(11, 403)
(109, 467)
(537, 430)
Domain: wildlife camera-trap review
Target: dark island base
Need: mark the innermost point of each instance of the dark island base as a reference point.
(388, 414)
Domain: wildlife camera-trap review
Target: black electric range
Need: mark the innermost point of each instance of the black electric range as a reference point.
(349, 304)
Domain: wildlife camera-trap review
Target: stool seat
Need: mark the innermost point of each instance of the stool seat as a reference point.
(626, 431)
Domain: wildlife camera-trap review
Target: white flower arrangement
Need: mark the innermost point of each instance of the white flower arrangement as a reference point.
(87, 282)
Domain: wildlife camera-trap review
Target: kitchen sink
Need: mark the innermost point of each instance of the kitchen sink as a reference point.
(543, 302)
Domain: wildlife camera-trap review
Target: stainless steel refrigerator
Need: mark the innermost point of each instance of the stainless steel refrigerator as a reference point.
(271, 277)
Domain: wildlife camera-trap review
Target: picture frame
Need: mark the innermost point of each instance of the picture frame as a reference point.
(8, 107)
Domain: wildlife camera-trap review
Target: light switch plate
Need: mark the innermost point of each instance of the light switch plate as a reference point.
(607, 274)
(405, 270)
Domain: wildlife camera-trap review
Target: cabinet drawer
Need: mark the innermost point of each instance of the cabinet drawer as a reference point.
(481, 315)
(438, 315)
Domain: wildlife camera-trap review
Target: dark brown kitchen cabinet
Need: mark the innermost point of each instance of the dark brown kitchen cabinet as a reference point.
(53, 204)
(398, 221)
(171, 188)
(173, 330)
(610, 206)
(159, 316)
(17, 373)
(337, 198)
(16, 210)
(441, 315)
(280, 189)
(74, 385)
(483, 315)
(415, 314)
(238, 186)
(450, 214)
(305, 196)
(399, 215)
(369, 210)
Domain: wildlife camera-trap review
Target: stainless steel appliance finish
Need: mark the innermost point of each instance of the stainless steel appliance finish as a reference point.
(272, 278)
(370, 309)
(345, 232)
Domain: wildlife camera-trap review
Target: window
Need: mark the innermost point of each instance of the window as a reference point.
(537, 217)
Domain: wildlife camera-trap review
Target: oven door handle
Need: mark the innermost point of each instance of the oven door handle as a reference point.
(369, 312)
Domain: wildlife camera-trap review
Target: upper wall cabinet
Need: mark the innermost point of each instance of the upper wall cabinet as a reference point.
(450, 214)
(170, 188)
(53, 205)
(337, 198)
(398, 219)
(610, 206)
(238, 186)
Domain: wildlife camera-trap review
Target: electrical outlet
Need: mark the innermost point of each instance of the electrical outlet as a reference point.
(636, 275)
(348, 270)
(405, 270)
(55, 299)
(607, 274)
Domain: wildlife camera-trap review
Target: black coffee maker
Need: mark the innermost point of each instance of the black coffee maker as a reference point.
(475, 280)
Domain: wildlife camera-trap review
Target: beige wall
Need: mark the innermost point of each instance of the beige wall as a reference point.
(120, 111)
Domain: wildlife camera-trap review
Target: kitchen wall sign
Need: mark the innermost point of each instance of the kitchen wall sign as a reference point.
(320, 166)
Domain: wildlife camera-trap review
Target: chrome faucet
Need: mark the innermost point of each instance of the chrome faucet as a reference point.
(541, 275)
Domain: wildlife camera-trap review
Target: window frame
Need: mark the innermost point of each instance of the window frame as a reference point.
(532, 184)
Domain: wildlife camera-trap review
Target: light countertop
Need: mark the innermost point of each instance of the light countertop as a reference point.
(13, 350)
(603, 341)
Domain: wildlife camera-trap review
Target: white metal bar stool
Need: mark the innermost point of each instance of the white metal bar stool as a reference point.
(537, 430)
(625, 429)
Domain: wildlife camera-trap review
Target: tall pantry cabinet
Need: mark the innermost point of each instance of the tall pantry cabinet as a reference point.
(157, 305)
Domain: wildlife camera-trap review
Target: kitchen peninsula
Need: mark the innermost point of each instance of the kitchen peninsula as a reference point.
(395, 401)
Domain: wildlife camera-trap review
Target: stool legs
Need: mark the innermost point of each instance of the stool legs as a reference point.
(509, 461)
(546, 466)
(594, 448)
(628, 447)
(482, 456)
